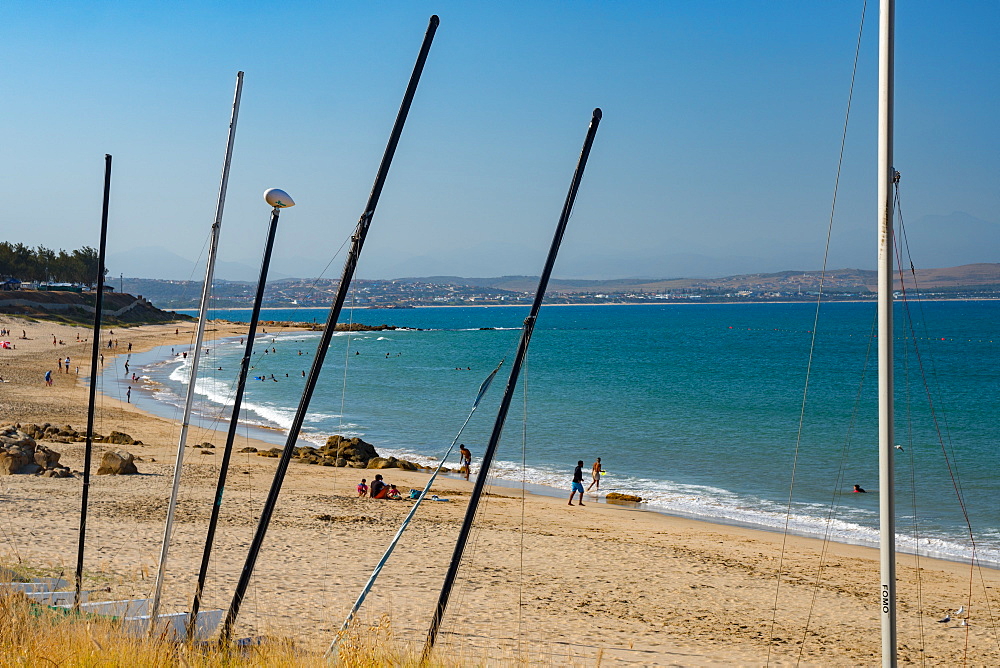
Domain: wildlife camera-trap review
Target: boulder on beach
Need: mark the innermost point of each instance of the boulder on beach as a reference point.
(121, 438)
(117, 462)
(616, 496)
(20, 454)
(351, 449)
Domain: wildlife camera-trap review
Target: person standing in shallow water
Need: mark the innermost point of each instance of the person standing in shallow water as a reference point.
(466, 456)
(577, 483)
(596, 472)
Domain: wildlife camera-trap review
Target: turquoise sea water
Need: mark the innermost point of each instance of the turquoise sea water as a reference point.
(693, 407)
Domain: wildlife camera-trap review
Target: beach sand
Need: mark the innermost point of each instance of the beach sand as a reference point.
(541, 581)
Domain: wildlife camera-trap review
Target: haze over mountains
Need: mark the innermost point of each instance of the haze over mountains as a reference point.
(934, 241)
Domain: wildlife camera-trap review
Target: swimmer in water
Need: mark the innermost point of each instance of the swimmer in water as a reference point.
(858, 490)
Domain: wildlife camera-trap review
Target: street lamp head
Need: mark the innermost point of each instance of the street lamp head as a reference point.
(278, 198)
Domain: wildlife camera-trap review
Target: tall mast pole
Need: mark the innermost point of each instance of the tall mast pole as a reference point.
(886, 177)
(350, 264)
(241, 384)
(206, 289)
(515, 369)
(92, 401)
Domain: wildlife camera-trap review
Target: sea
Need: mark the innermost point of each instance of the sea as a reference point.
(761, 415)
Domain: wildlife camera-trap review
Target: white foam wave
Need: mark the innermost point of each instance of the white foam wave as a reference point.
(715, 504)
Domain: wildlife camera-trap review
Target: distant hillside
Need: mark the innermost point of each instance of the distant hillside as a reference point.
(858, 280)
(969, 281)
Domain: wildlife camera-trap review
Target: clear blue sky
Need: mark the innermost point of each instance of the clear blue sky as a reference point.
(717, 151)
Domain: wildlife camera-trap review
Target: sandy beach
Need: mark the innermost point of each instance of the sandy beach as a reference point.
(547, 583)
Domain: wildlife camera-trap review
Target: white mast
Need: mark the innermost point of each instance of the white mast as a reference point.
(196, 357)
(886, 177)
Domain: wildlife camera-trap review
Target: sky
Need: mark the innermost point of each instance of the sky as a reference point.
(717, 153)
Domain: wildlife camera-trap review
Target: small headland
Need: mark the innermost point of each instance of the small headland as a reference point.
(78, 308)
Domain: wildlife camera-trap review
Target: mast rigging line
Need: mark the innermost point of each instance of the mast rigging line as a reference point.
(950, 461)
(812, 342)
(483, 389)
(350, 265)
(838, 485)
(206, 289)
(233, 424)
(529, 325)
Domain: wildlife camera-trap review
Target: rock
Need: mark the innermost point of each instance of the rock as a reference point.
(117, 462)
(407, 465)
(206, 444)
(12, 436)
(378, 463)
(357, 452)
(17, 452)
(249, 449)
(615, 496)
(341, 462)
(207, 452)
(46, 457)
(121, 438)
(273, 452)
(11, 464)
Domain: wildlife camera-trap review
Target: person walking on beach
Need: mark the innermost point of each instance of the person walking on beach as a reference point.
(67, 363)
(577, 483)
(128, 395)
(48, 378)
(59, 363)
(465, 455)
(595, 471)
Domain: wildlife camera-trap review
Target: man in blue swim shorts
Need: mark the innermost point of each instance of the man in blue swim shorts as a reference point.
(577, 482)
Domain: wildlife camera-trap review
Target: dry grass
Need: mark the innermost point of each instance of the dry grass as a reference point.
(37, 635)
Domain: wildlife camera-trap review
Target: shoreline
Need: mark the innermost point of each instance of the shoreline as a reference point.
(275, 435)
(709, 603)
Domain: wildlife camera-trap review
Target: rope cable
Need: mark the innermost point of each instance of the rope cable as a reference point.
(950, 465)
(812, 343)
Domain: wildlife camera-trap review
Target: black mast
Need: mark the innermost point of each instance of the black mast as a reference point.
(350, 264)
(515, 369)
(233, 423)
(92, 402)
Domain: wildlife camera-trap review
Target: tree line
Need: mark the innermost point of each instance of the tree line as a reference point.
(46, 265)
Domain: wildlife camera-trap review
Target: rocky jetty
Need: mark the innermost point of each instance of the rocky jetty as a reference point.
(19, 453)
(340, 451)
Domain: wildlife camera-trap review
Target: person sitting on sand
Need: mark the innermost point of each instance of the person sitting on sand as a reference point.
(363, 488)
(858, 490)
(378, 489)
(393, 493)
